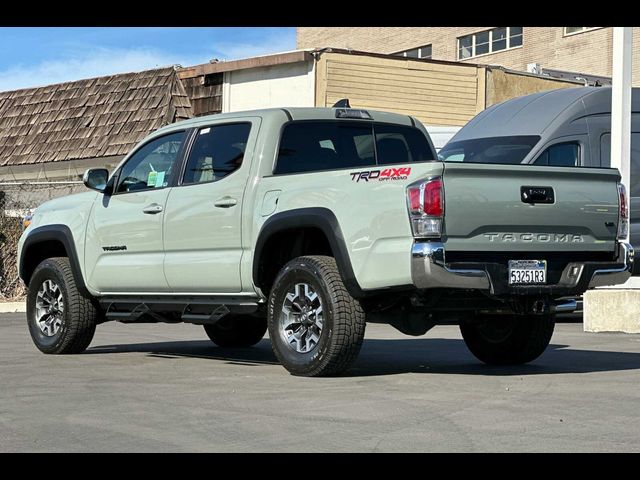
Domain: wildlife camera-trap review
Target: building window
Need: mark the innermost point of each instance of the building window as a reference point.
(419, 52)
(489, 41)
(574, 30)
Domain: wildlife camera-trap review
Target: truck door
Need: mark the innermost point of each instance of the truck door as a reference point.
(124, 250)
(202, 225)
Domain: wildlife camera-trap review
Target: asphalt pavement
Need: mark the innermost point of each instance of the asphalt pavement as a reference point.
(157, 388)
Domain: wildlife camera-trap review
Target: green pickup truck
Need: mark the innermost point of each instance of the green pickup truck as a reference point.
(311, 222)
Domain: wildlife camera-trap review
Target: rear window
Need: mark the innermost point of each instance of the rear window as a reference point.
(331, 145)
(504, 150)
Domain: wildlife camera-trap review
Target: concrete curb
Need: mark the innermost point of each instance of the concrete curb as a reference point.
(12, 307)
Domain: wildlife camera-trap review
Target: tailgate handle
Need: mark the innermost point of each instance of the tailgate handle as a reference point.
(537, 194)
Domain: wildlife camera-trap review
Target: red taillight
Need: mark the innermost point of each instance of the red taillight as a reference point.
(426, 198)
(433, 198)
(415, 197)
(623, 213)
(425, 202)
(622, 191)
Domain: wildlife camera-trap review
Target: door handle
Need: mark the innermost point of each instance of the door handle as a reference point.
(225, 202)
(537, 195)
(152, 209)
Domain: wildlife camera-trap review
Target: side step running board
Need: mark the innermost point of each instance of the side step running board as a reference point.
(206, 319)
(172, 309)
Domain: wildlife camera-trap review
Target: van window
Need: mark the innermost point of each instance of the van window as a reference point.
(503, 150)
(605, 160)
(560, 155)
(309, 146)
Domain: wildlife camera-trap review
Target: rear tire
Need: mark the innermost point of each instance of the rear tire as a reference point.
(60, 319)
(508, 340)
(237, 331)
(316, 327)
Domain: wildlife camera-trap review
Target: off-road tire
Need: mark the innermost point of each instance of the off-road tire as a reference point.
(80, 315)
(239, 331)
(343, 327)
(525, 338)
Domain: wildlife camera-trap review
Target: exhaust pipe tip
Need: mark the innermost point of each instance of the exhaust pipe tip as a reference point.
(567, 306)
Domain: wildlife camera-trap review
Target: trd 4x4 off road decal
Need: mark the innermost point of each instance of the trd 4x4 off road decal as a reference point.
(382, 175)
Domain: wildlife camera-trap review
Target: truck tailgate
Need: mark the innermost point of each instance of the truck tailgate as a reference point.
(487, 208)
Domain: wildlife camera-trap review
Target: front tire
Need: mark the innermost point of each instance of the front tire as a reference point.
(60, 319)
(508, 339)
(237, 331)
(316, 327)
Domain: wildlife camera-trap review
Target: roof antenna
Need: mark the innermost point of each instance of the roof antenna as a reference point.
(344, 103)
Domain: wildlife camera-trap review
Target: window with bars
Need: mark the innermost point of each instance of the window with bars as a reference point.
(489, 41)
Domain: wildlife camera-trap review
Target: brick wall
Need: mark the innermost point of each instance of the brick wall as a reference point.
(587, 52)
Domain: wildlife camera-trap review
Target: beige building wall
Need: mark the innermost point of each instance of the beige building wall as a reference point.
(502, 86)
(288, 85)
(436, 94)
(586, 52)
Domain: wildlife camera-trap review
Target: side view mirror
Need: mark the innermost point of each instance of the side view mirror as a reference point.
(96, 179)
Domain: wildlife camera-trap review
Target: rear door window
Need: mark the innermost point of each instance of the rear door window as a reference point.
(217, 151)
(310, 146)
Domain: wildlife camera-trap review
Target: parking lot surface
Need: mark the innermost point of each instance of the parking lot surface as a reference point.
(162, 388)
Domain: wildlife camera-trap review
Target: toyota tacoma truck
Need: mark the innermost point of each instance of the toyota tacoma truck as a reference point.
(311, 222)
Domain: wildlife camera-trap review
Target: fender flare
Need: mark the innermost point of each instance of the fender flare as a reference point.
(318, 217)
(62, 234)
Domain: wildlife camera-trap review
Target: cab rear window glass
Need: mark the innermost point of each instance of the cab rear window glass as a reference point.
(331, 145)
(398, 144)
(502, 150)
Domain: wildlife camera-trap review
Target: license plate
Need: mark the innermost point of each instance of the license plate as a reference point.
(527, 272)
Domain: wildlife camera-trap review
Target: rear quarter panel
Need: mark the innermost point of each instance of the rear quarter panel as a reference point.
(372, 215)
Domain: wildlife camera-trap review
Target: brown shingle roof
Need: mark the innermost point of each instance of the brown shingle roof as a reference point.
(90, 118)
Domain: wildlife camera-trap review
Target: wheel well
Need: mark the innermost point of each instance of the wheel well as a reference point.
(38, 252)
(286, 245)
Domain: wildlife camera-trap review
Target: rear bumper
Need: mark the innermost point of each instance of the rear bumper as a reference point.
(430, 270)
(617, 273)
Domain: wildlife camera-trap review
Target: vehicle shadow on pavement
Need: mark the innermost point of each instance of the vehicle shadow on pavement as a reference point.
(451, 356)
(257, 355)
(395, 356)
